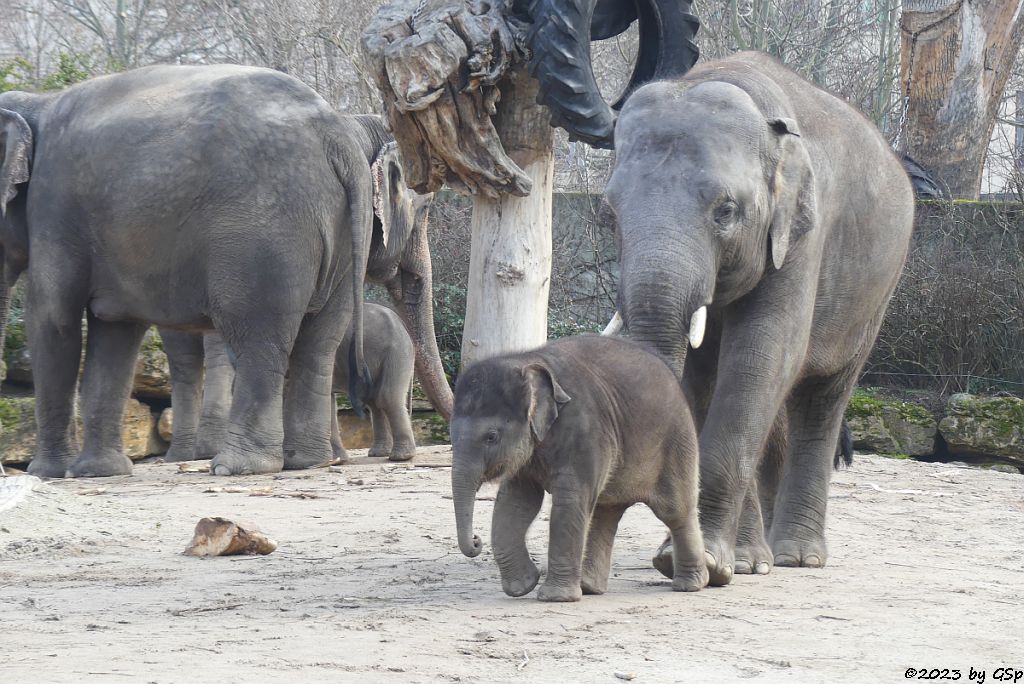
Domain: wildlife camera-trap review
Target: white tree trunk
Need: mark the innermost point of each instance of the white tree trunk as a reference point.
(510, 263)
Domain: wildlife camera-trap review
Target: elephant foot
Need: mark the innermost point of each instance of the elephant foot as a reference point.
(296, 459)
(102, 464)
(594, 586)
(559, 594)
(721, 560)
(402, 453)
(521, 586)
(49, 467)
(691, 580)
(378, 451)
(205, 452)
(794, 553)
(232, 461)
(753, 559)
(178, 454)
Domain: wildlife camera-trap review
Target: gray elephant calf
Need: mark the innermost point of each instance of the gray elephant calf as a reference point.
(200, 424)
(601, 424)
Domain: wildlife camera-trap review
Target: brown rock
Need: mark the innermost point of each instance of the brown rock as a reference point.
(136, 429)
(165, 426)
(222, 537)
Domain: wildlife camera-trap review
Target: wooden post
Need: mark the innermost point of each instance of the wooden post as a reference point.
(510, 263)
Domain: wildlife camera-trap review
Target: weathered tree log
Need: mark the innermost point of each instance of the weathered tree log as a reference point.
(956, 58)
(437, 64)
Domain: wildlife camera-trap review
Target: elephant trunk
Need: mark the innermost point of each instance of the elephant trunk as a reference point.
(414, 296)
(665, 291)
(466, 479)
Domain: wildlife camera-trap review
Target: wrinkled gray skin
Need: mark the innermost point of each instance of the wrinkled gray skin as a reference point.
(189, 197)
(599, 423)
(743, 188)
(202, 404)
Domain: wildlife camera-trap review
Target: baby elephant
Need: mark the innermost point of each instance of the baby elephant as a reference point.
(201, 408)
(599, 423)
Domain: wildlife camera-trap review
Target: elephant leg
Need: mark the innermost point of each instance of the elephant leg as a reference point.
(770, 469)
(404, 443)
(753, 554)
(572, 506)
(383, 440)
(337, 447)
(797, 535)
(254, 439)
(676, 506)
(112, 349)
(308, 392)
(597, 560)
(185, 358)
(54, 327)
(760, 358)
(515, 507)
(218, 380)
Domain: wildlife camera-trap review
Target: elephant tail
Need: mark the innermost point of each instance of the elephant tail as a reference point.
(844, 449)
(354, 176)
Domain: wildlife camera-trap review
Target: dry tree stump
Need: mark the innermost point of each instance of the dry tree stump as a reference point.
(463, 110)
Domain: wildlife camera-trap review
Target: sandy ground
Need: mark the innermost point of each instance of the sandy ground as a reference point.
(369, 585)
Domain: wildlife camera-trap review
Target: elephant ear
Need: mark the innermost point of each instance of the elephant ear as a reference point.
(16, 159)
(546, 397)
(386, 173)
(794, 208)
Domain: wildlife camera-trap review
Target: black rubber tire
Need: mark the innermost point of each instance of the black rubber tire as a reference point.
(560, 45)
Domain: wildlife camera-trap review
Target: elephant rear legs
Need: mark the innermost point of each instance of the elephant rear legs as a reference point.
(797, 534)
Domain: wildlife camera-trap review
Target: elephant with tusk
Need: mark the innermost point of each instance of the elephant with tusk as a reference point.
(763, 225)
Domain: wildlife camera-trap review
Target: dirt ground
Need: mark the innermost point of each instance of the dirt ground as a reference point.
(925, 572)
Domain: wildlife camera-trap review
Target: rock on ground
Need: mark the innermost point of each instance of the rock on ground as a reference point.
(18, 439)
(990, 426)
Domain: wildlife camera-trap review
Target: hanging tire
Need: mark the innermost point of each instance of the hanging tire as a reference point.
(560, 44)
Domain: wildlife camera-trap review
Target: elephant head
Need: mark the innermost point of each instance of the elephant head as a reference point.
(15, 169)
(399, 259)
(710, 194)
(503, 408)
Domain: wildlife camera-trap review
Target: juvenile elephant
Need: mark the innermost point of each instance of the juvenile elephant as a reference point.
(764, 223)
(599, 423)
(202, 402)
(190, 197)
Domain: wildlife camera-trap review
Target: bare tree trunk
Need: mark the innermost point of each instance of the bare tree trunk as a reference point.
(510, 263)
(956, 58)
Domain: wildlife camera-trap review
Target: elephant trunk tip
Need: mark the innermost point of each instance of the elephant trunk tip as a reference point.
(473, 548)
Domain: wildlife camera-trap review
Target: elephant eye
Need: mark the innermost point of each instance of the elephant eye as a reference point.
(491, 437)
(725, 212)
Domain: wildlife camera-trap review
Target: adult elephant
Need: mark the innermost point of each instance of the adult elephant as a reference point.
(764, 223)
(399, 259)
(189, 197)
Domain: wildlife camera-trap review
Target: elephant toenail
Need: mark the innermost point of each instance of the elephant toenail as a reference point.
(221, 470)
(812, 561)
(762, 568)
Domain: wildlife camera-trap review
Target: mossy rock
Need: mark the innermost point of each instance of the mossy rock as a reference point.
(985, 426)
(18, 439)
(890, 426)
(152, 371)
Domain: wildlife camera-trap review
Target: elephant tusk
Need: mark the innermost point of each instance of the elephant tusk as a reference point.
(697, 323)
(614, 325)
